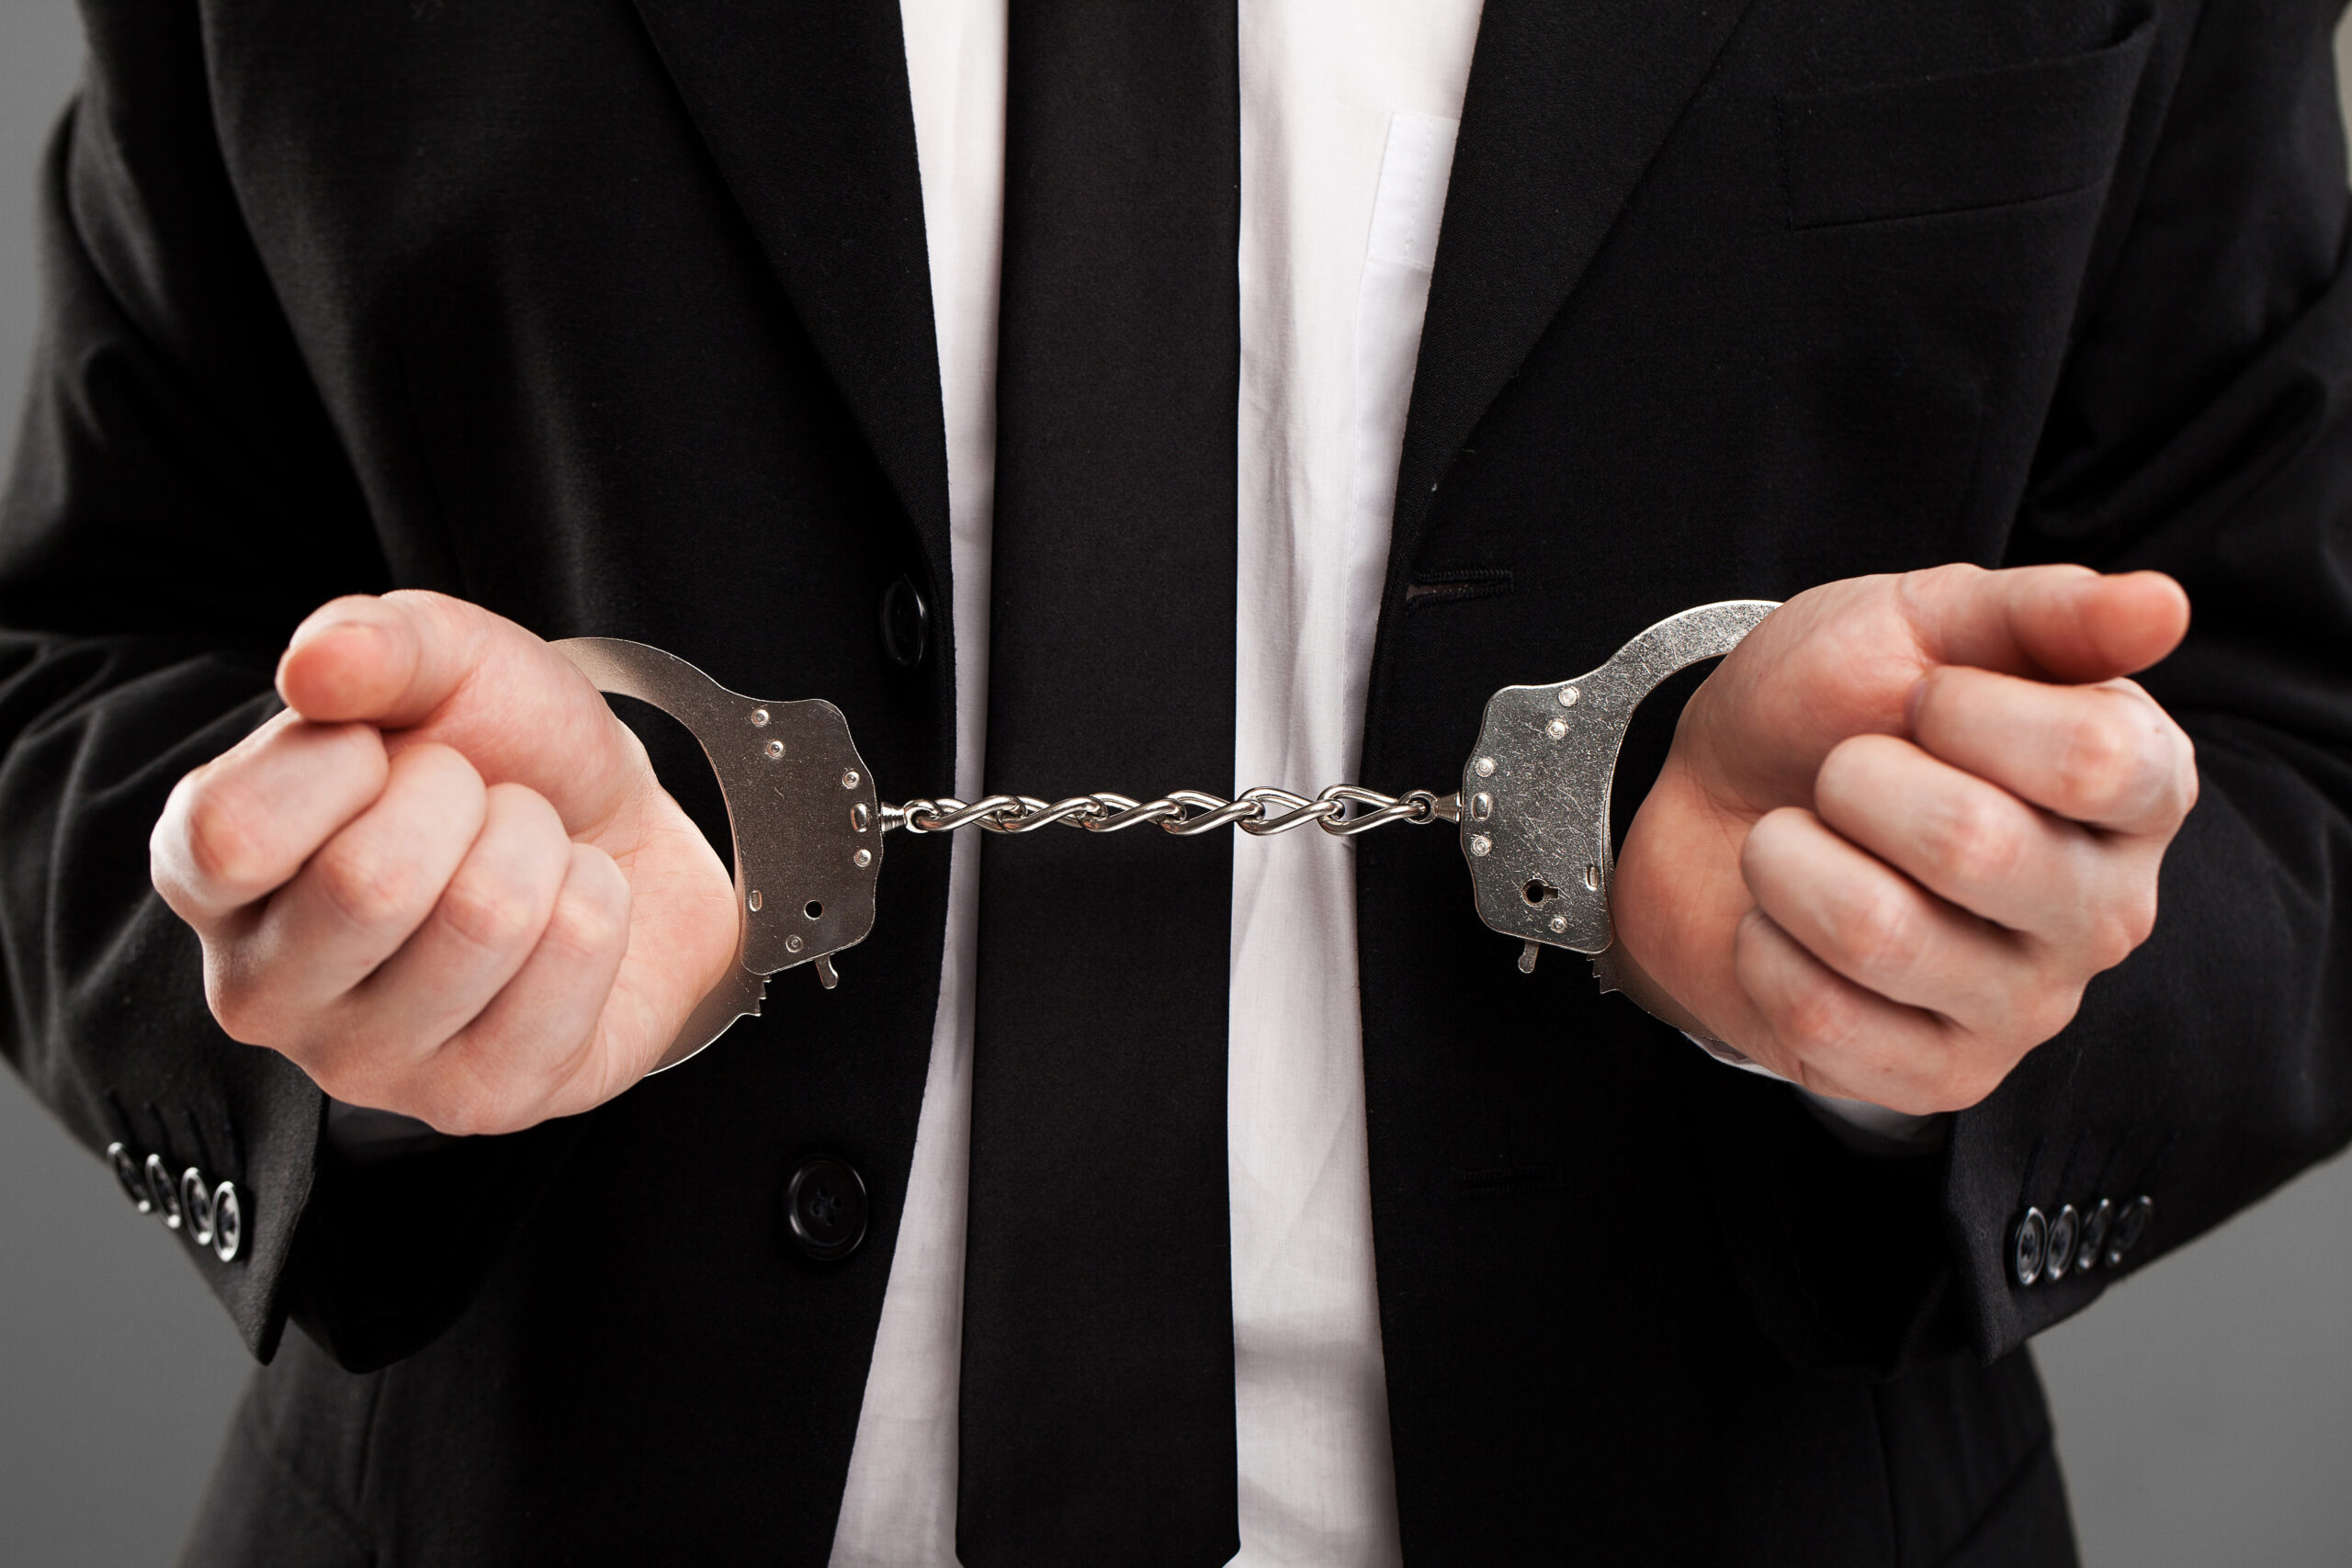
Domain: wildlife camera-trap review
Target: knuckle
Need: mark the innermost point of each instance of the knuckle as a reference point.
(465, 1116)
(490, 912)
(1977, 843)
(1817, 1016)
(1965, 1082)
(2122, 926)
(219, 835)
(2052, 1013)
(2099, 763)
(469, 1104)
(369, 886)
(586, 926)
(1880, 933)
(238, 1006)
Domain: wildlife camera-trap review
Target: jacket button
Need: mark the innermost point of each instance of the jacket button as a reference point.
(2059, 1255)
(2027, 1245)
(825, 1206)
(2095, 1224)
(228, 1221)
(132, 1179)
(2130, 1224)
(905, 624)
(195, 1203)
(164, 1192)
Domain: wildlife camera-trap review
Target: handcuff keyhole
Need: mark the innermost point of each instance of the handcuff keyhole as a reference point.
(813, 910)
(1537, 890)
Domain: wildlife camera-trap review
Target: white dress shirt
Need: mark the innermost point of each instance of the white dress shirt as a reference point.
(1348, 109)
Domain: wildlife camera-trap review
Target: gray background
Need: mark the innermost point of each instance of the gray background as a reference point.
(2204, 1409)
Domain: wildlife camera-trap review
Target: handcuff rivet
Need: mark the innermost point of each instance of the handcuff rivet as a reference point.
(755, 900)
(792, 944)
(863, 857)
(1567, 696)
(848, 779)
(776, 751)
(759, 718)
(1480, 844)
(1482, 806)
(1559, 922)
(1484, 767)
(858, 817)
(1557, 729)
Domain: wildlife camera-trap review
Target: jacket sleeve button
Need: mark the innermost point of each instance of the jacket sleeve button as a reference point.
(2095, 1224)
(2058, 1255)
(228, 1221)
(2027, 1246)
(905, 624)
(2130, 1224)
(824, 1204)
(128, 1174)
(196, 1203)
(164, 1192)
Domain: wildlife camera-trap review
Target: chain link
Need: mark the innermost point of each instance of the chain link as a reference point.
(1186, 812)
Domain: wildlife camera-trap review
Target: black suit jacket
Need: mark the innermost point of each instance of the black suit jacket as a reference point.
(615, 317)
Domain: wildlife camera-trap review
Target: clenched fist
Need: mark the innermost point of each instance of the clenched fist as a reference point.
(1903, 824)
(445, 882)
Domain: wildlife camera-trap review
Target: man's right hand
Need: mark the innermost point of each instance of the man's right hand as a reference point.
(446, 882)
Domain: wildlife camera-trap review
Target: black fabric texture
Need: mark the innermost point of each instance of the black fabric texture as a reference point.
(613, 316)
(1098, 1305)
(1886, 150)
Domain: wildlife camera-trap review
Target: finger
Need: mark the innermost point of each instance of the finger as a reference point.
(1836, 1038)
(2106, 755)
(539, 1049)
(388, 660)
(485, 925)
(1966, 840)
(441, 670)
(1883, 932)
(2067, 622)
(362, 895)
(238, 828)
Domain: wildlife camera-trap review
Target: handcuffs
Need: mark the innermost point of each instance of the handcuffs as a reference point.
(810, 823)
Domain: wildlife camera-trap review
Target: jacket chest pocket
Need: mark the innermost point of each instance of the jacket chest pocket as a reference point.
(1959, 142)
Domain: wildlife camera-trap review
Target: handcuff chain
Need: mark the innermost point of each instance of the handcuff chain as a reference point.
(1259, 812)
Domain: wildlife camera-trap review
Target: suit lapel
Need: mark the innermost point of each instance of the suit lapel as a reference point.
(806, 110)
(1569, 101)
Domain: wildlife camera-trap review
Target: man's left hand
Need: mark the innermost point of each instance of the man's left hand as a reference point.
(1906, 821)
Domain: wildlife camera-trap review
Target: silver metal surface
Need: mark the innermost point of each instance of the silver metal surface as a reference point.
(1539, 861)
(1259, 812)
(1536, 788)
(804, 872)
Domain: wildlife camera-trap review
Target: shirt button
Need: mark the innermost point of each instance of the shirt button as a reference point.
(2027, 1245)
(132, 1179)
(825, 1205)
(905, 624)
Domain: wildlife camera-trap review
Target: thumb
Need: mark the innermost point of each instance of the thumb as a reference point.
(424, 666)
(2059, 622)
